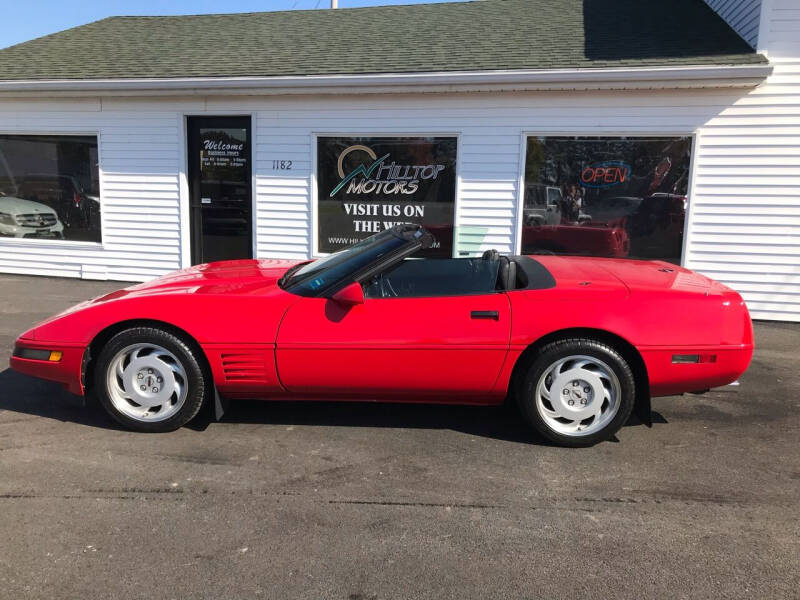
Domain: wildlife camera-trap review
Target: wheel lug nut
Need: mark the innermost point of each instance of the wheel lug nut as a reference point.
(150, 371)
(140, 376)
(160, 380)
(143, 388)
(565, 392)
(155, 390)
(575, 384)
(587, 390)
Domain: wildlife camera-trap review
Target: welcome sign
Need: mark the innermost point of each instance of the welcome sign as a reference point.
(366, 185)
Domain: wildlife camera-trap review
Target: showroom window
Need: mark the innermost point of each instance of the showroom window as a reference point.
(368, 184)
(49, 187)
(622, 197)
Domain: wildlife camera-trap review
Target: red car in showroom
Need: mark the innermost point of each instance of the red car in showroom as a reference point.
(578, 343)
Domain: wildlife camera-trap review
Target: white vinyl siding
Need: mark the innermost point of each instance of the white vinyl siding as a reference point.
(745, 211)
(744, 224)
(139, 166)
(488, 161)
(744, 200)
(490, 130)
(741, 15)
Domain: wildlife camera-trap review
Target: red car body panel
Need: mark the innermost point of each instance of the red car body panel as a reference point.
(263, 342)
(659, 308)
(423, 347)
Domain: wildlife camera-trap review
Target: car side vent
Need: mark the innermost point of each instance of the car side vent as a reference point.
(244, 367)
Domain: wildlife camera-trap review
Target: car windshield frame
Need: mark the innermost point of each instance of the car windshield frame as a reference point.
(327, 275)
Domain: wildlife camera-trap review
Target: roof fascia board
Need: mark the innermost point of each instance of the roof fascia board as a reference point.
(550, 79)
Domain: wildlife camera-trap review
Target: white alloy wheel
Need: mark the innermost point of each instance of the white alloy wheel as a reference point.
(146, 382)
(578, 395)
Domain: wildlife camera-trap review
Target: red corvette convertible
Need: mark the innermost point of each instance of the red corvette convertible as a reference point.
(578, 343)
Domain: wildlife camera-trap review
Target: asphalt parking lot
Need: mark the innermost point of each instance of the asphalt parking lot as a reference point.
(385, 501)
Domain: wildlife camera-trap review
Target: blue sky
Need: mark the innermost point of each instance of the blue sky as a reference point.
(27, 19)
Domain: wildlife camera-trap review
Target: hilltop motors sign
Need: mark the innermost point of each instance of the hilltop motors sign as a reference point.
(366, 185)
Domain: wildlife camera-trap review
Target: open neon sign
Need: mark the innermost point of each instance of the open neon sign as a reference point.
(605, 174)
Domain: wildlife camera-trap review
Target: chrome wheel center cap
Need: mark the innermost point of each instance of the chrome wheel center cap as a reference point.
(578, 389)
(577, 394)
(149, 380)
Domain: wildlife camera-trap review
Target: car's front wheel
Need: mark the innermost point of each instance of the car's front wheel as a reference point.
(577, 392)
(150, 380)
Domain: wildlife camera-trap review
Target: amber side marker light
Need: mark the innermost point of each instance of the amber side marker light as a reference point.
(37, 354)
(687, 359)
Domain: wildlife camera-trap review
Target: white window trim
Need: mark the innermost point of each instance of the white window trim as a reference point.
(520, 195)
(67, 244)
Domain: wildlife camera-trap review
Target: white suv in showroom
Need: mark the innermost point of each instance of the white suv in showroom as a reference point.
(21, 218)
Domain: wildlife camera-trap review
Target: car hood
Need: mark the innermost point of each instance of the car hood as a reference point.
(243, 279)
(18, 206)
(225, 277)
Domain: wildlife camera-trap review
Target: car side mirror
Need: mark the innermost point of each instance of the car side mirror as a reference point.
(350, 295)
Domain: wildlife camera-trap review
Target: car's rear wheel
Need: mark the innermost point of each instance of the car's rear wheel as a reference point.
(577, 392)
(150, 380)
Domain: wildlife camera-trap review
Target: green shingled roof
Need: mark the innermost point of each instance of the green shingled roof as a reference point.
(456, 36)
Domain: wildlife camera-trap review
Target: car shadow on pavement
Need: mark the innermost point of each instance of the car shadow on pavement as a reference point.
(27, 395)
(498, 422)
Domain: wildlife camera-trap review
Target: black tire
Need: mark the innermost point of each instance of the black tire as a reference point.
(198, 381)
(549, 355)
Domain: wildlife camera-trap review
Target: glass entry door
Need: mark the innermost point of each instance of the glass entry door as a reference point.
(220, 188)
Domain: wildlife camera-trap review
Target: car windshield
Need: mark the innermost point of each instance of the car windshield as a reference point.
(311, 279)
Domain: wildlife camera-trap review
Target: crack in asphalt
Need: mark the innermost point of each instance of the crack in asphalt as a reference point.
(578, 503)
(198, 460)
(418, 504)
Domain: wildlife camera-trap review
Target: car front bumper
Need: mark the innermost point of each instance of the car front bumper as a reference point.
(17, 231)
(67, 370)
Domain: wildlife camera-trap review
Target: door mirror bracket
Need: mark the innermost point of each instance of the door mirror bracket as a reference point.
(350, 295)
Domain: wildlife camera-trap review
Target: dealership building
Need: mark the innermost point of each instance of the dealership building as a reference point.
(134, 146)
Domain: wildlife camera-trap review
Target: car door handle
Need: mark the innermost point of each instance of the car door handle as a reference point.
(485, 314)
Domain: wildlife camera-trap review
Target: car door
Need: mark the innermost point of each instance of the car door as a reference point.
(404, 348)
